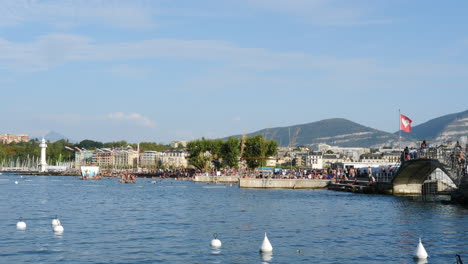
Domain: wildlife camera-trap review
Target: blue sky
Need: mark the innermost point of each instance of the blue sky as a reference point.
(143, 70)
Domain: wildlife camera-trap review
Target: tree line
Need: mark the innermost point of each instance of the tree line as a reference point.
(220, 154)
(203, 153)
(56, 151)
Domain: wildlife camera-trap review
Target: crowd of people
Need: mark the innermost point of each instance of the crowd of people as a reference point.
(128, 178)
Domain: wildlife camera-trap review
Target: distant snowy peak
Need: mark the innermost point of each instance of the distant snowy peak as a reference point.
(53, 136)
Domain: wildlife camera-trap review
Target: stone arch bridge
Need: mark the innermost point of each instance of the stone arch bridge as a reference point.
(438, 171)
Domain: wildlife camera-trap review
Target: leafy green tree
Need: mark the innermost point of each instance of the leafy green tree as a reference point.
(117, 144)
(214, 147)
(257, 150)
(3, 152)
(90, 144)
(57, 152)
(230, 152)
(151, 146)
(197, 157)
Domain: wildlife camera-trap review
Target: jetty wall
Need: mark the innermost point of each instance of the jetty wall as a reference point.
(222, 179)
(283, 183)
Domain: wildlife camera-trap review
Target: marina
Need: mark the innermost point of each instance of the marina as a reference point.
(174, 222)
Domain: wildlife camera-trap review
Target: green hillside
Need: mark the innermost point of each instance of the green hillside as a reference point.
(431, 129)
(336, 131)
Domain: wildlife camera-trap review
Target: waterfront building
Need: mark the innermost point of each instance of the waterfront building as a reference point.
(315, 160)
(85, 157)
(392, 157)
(372, 158)
(8, 138)
(300, 159)
(125, 158)
(329, 159)
(352, 153)
(176, 144)
(280, 161)
(104, 158)
(149, 158)
(173, 158)
(271, 162)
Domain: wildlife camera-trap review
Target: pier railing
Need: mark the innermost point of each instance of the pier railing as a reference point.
(453, 159)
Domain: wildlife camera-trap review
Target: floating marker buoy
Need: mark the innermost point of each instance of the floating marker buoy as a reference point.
(16, 182)
(420, 252)
(56, 222)
(58, 229)
(21, 225)
(266, 245)
(266, 256)
(215, 242)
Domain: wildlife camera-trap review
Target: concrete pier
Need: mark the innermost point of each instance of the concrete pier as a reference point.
(283, 183)
(221, 179)
(413, 174)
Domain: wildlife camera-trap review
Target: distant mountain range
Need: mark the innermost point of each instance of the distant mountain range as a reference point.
(447, 127)
(53, 136)
(345, 133)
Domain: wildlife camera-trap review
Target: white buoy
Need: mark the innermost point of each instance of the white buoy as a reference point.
(420, 252)
(16, 182)
(266, 256)
(56, 222)
(21, 225)
(266, 245)
(215, 242)
(58, 229)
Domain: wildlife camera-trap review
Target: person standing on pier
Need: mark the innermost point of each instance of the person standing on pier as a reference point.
(423, 149)
(406, 153)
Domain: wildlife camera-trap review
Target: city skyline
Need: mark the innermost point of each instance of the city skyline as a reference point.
(161, 71)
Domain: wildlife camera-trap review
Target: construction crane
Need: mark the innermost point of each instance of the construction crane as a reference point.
(293, 142)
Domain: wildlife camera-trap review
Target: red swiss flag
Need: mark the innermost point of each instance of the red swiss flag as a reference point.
(405, 123)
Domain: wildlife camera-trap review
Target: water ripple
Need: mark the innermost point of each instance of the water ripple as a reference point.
(173, 222)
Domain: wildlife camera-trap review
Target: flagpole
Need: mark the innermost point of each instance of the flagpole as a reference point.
(399, 128)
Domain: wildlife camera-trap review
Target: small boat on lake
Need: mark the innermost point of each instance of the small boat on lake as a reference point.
(128, 178)
(127, 181)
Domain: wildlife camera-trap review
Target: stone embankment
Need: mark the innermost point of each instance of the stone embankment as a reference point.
(220, 179)
(283, 183)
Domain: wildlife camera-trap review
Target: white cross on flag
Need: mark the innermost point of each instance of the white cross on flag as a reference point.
(405, 123)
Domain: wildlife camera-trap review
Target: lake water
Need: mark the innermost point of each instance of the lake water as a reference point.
(173, 222)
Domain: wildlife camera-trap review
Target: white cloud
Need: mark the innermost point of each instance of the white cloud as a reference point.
(46, 51)
(135, 14)
(250, 63)
(135, 118)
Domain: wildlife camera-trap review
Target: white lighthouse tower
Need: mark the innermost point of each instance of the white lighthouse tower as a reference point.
(43, 165)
